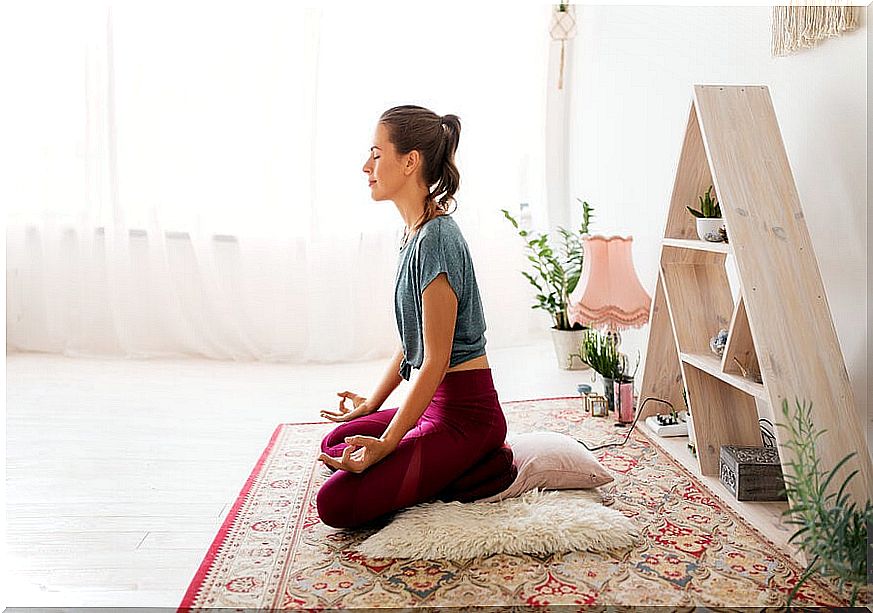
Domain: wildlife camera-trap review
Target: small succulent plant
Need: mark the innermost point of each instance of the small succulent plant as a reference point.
(709, 208)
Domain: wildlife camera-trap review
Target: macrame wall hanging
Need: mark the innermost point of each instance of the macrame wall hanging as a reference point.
(563, 28)
(805, 26)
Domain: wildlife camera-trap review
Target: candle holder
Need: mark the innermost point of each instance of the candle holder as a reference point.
(623, 390)
(597, 404)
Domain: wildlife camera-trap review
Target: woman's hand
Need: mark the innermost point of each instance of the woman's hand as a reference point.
(361, 407)
(361, 453)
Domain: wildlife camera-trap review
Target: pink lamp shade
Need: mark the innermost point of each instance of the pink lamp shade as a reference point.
(609, 293)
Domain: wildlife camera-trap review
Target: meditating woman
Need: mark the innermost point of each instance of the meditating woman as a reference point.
(447, 440)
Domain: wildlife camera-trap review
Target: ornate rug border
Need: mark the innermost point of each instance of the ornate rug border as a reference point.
(218, 542)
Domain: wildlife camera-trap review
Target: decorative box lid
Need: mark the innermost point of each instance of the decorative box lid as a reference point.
(751, 455)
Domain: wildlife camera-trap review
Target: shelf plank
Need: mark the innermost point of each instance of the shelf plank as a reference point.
(697, 245)
(711, 365)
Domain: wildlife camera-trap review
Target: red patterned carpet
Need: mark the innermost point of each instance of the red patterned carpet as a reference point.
(273, 552)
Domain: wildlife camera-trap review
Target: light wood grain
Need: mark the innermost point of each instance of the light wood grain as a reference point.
(789, 317)
(693, 177)
(723, 415)
(710, 364)
(662, 378)
(781, 322)
(701, 301)
(697, 244)
(740, 347)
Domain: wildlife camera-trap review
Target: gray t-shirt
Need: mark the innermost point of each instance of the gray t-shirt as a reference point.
(438, 246)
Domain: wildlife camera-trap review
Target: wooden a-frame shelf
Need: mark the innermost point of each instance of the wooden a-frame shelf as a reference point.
(780, 329)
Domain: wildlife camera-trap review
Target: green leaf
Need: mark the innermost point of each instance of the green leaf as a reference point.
(510, 218)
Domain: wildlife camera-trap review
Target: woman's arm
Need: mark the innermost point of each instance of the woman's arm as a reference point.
(389, 382)
(439, 312)
(440, 309)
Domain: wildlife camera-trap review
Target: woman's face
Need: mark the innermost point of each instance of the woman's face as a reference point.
(386, 171)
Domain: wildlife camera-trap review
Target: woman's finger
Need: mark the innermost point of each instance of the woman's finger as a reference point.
(360, 441)
(329, 461)
(333, 416)
(347, 462)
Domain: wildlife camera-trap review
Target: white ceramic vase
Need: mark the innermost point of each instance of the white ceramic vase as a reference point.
(565, 343)
(706, 225)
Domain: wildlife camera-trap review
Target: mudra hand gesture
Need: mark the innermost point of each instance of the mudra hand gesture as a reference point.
(361, 407)
(361, 453)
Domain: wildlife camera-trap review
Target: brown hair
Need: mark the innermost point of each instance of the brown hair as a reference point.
(436, 138)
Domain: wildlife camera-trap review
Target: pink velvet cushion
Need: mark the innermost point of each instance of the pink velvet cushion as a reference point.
(551, 461)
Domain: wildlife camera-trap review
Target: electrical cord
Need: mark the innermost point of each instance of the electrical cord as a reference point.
(629, 430)
(767, 434)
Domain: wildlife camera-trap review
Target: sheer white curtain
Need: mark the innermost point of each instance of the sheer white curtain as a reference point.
(186, 179)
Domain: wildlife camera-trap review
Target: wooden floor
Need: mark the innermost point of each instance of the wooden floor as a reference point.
(119, 473)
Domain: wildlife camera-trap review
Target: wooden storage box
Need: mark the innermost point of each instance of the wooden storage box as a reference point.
(752, 473)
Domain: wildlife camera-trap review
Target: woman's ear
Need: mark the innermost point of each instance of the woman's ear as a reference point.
(413, 161)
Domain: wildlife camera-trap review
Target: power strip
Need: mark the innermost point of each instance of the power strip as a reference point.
(680, 429)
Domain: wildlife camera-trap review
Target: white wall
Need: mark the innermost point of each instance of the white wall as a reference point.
(632, 73)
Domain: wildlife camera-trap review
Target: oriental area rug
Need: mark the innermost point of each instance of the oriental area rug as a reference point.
(273, 552)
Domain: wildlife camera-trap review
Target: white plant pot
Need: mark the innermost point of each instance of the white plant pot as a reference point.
(567, 342)
(705, 225)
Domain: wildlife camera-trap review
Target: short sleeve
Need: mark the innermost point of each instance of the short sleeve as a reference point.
(439, 252)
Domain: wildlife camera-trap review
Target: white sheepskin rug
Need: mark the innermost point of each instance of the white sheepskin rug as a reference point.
(537, 522)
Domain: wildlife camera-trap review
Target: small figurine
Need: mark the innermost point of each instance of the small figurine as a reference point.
(718, 342)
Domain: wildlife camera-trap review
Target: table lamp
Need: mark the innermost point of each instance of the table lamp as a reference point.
(609, 295)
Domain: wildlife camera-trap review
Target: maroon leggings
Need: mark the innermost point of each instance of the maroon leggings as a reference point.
(456, 451)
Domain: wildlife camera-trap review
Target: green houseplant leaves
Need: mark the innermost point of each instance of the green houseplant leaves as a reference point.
(556, 270)
(709, 208)
(832, 530)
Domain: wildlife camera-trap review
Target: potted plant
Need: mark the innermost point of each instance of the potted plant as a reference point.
(557, 273)
(600, 351)
(832, 531)
(709, 220)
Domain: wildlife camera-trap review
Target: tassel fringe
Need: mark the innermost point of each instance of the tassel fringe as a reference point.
(795, 27)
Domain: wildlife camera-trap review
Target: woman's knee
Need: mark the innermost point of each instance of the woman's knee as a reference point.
(334, 437)
(328, 441)
(333, 507)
